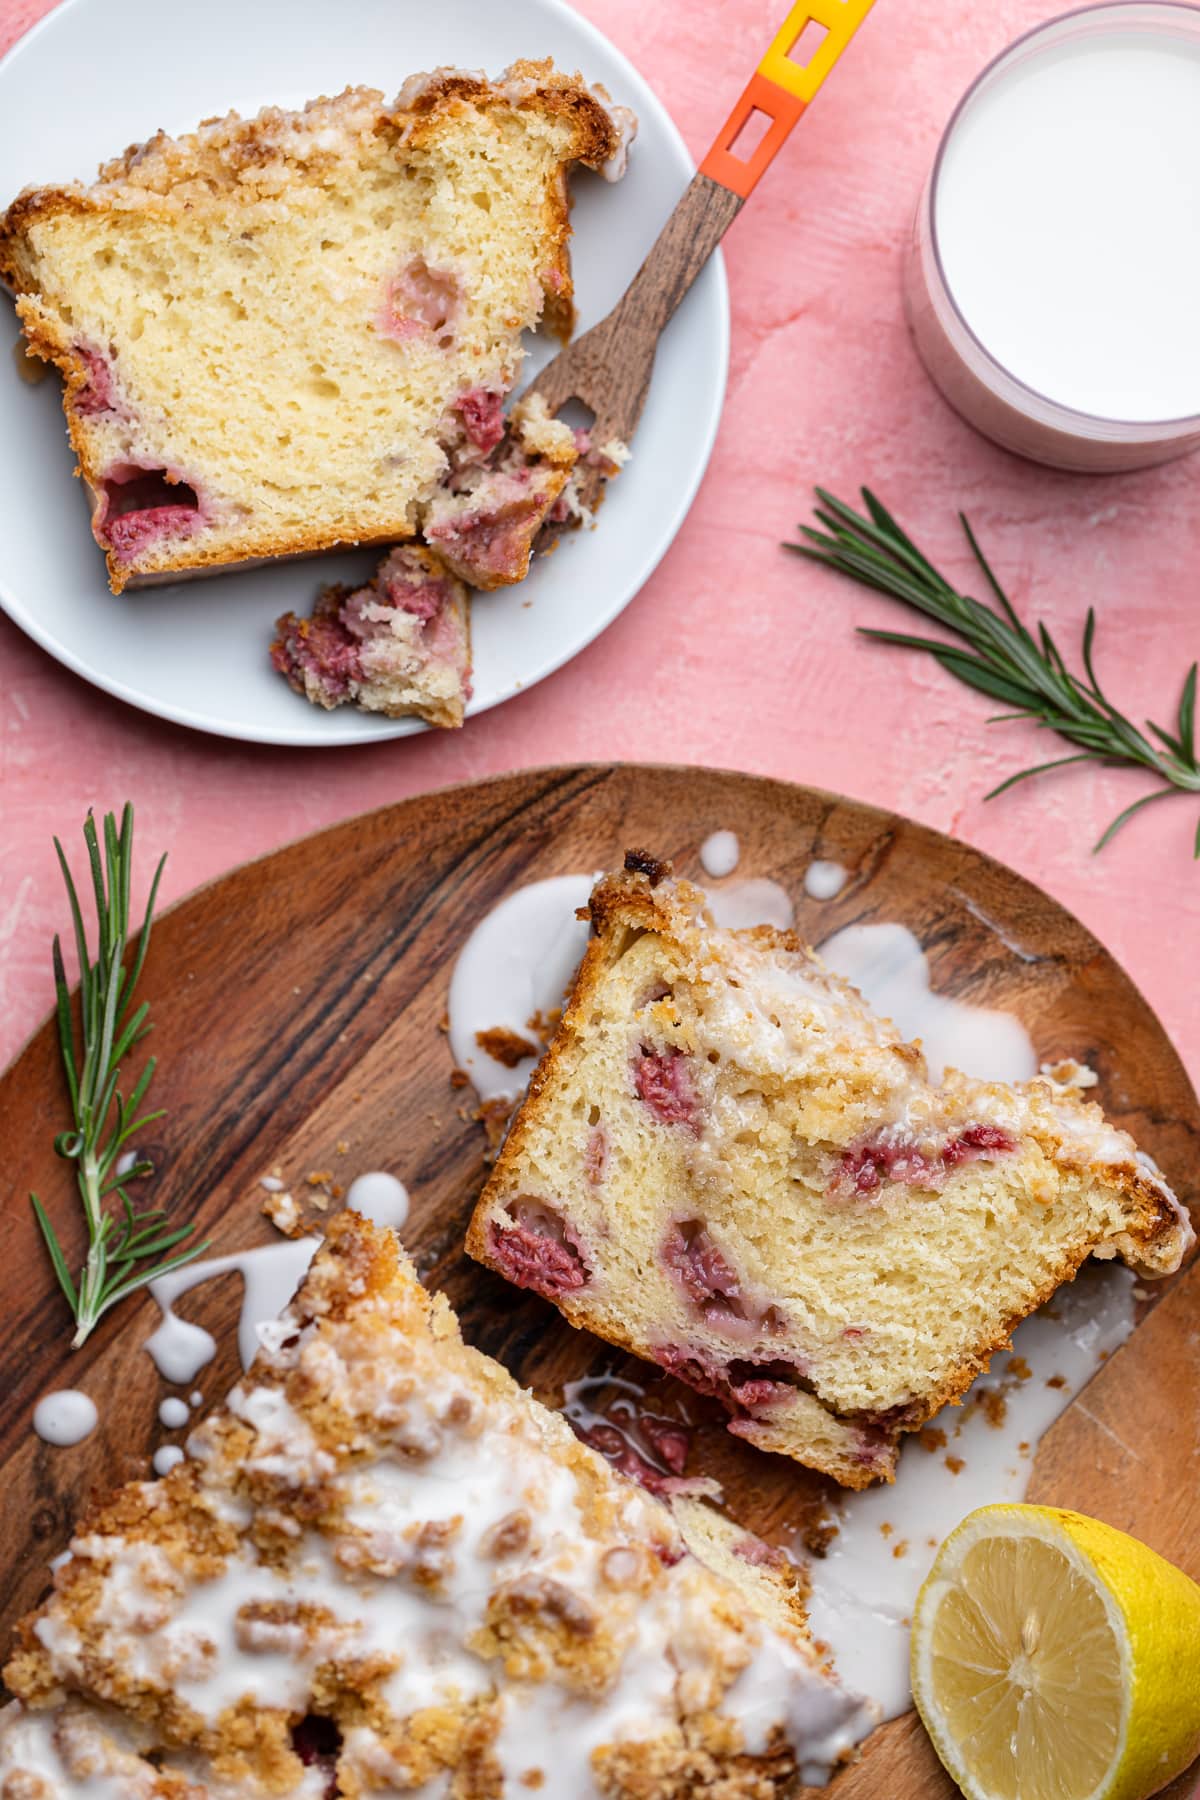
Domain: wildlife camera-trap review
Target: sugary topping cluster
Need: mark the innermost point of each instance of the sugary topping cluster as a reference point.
(383, 1562)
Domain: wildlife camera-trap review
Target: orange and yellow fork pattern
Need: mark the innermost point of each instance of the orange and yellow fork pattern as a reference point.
(802, 54)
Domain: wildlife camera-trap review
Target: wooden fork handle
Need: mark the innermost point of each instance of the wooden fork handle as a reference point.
(700, 220)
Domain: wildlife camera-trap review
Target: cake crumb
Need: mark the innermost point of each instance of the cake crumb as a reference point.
(817, 1537)
(1056, 1381)
(886, 1529)
(459, 1078)
(932, 1438)
(1069, 1074)
(901, 1548)
(324, 1188)
(1020, 1368)
(993, 1406)
(494, 1116)
(342, 1147)
(504, 1046)
(955, 1464)
(283, 1213)
(543, 1025)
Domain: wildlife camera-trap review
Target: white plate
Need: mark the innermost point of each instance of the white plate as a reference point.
(96, 75)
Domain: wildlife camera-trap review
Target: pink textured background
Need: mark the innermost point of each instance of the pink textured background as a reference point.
(735, 653)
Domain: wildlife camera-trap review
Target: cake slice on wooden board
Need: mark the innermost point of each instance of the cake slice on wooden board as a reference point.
(384, 1568)
(729, 1165)
(292, 332)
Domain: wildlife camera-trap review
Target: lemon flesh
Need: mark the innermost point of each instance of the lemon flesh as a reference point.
(1055, 1658)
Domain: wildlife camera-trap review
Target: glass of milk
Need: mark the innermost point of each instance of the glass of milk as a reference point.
(1053, 283)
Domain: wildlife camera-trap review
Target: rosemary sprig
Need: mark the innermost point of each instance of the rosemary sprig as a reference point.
(122, 1244)
(997, 655)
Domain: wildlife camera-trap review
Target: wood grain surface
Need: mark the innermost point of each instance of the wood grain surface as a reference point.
(299, 1007)
(608, 369)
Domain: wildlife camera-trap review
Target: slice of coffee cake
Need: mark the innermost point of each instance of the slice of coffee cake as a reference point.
(401, 644)
(728, 1164)
(384, 1568)
(294, 331)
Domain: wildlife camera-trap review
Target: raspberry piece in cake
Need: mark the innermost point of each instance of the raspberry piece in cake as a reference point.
(399, 645)
(283, 312)
(384, 1568)
(485, 522)
(791, 1216)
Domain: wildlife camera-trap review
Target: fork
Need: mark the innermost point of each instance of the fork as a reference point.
(608, 369)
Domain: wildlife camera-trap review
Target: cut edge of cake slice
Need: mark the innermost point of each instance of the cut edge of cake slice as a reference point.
(384, 1565)
(288, 333)
(727, 1164)
(398, 645)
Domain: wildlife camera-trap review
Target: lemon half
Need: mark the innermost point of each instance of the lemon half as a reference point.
(1055, 1658)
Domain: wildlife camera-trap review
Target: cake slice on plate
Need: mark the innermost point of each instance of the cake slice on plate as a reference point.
(296, 331)
(728, 1164)
(399, 645)
(384, 1568)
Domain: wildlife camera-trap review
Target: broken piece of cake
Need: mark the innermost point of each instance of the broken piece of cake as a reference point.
(296, 331)
(729, 1165)
(400, 645)
(384, 1568)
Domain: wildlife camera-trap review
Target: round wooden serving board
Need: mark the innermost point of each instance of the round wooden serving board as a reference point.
(299, 1007)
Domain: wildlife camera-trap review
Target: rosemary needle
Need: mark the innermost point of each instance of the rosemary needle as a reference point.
(995, 654)
(126, 1248)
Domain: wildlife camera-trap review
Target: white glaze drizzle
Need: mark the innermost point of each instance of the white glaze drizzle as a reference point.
(890, 970)
(720, 853)
(179, 1349)
(173, 1413)
(863, 1592)
(755, 901)
(237, 1637)
(516, 963)
(270, 1276)
(65, 1417)
(824, 880)
(380, 1197)
(165, 1458)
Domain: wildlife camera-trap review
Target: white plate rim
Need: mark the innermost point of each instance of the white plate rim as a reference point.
(329, 730)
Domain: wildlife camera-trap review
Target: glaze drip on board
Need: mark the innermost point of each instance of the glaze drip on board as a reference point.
(380, 1197)
(864, 1588)
(720, 853)
(824, 880)
(65, 1417)
(516, 964)
(270, 1276)
(891, 971)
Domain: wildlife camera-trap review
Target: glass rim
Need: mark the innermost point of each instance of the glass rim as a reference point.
(1098, 9)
